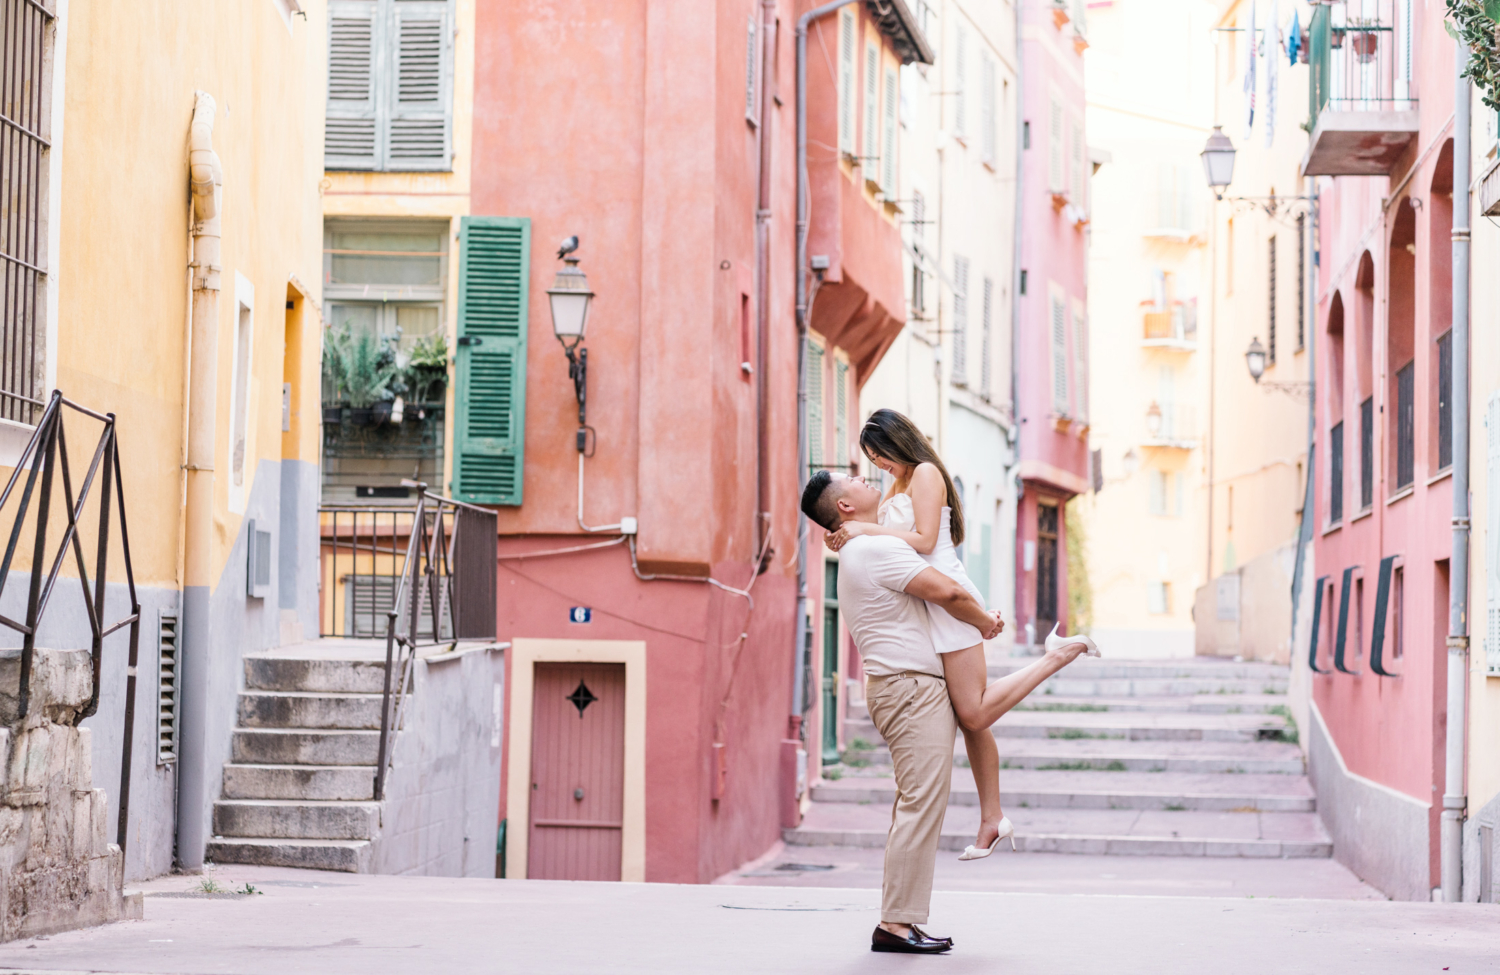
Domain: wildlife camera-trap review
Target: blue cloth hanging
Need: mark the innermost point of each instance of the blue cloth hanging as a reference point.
(1294, 40)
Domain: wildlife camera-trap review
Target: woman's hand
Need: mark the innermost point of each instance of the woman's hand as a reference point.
(849, 529)
(996, 630)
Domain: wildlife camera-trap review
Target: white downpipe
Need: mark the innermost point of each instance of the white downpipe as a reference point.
(581, 524)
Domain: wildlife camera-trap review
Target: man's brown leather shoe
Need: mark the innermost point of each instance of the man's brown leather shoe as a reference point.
(915, 943)
(929, 937)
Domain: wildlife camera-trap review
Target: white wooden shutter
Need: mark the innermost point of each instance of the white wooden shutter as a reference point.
(1055, 148)
(960, 321)
(351, 124)
(987, 107)
(846, 81)
(872, 111)
(815, 432)
(420, 93)
(888, 149)
(1492, 536)
(1079, 193)
(986, 318)
(750, 72)
(1059, 355)
(960, 41)
(1080, 362)
(841, 413)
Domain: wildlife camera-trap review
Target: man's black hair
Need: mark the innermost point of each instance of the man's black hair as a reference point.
(819, 503)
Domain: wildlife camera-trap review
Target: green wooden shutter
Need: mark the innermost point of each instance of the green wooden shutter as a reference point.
(351, 124)
(421, 99)
(489, 434)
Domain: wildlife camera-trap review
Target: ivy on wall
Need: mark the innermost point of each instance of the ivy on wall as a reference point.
(1476, 23)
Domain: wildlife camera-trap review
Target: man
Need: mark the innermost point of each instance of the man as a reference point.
(884, 588)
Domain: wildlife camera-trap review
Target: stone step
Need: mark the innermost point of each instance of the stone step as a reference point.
(291, 674)
(1164, 791)
(327, 782)
(1129, 726)
(1096, 668)
(1117, 755)
(1088, 831)
(350, 856)
(309, 709)
(1192, 704)
(302, 746)
(297, 820)
(1071, 684)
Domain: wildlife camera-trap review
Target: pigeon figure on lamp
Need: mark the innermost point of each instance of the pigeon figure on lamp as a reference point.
(569, 298)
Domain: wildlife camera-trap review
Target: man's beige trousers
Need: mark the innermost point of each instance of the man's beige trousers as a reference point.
(914, 716)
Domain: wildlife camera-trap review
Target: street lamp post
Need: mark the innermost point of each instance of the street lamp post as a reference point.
(569, 298)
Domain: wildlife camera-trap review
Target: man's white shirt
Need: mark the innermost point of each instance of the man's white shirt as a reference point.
(889, 627)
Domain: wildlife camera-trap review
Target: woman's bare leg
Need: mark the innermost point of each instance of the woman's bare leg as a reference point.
(966, 672)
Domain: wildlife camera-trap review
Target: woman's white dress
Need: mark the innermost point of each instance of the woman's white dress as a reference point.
(948, 634)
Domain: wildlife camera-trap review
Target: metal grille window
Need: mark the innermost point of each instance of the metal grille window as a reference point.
(1445, 400)
(1271, 302)
(1405, 425)
(1301, 283)
(166, 691)
(1366, 453)
(1336, 474)
(25, 110)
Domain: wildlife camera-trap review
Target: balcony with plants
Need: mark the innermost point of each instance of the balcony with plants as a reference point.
(1362, 105)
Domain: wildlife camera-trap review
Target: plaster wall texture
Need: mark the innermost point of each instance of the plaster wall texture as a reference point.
(649, 117)
(443, 791)
(1385, 274)
(1378, 832)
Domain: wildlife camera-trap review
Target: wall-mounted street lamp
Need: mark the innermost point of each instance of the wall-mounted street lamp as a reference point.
(1218, 161)
(1255, 359)
(1153, 419)
(569, 298)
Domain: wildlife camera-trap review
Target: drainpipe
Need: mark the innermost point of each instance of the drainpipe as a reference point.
(802, 629)
(1454, 799)
(1018, 577)
(762, 526)
(206, 182)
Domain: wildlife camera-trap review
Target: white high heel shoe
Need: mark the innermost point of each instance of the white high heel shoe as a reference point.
(979, 853)
(1054, 641)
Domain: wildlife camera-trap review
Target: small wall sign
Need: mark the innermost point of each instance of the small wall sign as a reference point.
(581, 614)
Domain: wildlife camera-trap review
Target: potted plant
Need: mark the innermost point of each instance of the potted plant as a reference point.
(426, 373)
(1365, 41)
(361, 370)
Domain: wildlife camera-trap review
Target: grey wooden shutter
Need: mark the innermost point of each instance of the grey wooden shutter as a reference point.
(490, 430)
(815, 432)
(846, 81)
(351, 125)
(888, 149)
(841, 413)
(872, 112)
(420, 92)
(960, 375)
(986, 311)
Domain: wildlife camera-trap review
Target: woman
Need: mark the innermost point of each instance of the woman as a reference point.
(923, 508)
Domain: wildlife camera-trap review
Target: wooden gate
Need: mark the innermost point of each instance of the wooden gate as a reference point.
(577, 772)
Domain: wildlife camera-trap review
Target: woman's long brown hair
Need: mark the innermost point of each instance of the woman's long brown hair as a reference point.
(890, 435)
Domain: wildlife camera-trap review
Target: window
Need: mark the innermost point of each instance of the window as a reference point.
(872, 112)
(26, 103)
(987, 152)
(1336, 473)
(1166, 493)
(1046, 567)
(1405, 425)
(1078, 194)
(846, 81)
(1271, 302)
(815, 432)
(1445, 400)
(888, 147)
(750, 72)
(1059, 354)
(830, 689)
(1055, 149)
(1398, 612)
(841, 413)
(986, 312)
(960, 321)
(918, 277)
(1366, 453)
(1174, 197)
(390, 81)
(243, 351)
(1301, 282)
(747, 368)
(960, 42)
(1159, 598)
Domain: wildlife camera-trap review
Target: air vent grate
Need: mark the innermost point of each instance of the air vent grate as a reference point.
(166, 691)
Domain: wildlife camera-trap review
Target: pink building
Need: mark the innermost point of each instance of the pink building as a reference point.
(663, 134)
(1051, 332)
(1382, 105)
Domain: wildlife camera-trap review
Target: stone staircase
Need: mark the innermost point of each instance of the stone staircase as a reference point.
(1193, 757)
(299, 787)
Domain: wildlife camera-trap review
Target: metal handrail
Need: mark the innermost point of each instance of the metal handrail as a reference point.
(438, 526)
(45, 453)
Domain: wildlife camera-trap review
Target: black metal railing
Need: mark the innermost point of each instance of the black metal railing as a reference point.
(437, 588)
(1361, 56)
(45, 457)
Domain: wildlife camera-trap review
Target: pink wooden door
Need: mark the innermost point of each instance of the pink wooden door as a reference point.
(577, 772)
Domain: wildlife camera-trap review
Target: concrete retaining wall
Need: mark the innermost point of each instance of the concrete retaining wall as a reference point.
(1377, 832)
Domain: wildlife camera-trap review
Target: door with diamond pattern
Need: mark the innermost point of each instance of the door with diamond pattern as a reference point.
(577, 772)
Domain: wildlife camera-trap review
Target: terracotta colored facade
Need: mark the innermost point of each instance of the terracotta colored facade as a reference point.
(1051, 334)
(630, 125)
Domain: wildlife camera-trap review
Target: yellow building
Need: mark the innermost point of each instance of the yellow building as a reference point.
(190, 311)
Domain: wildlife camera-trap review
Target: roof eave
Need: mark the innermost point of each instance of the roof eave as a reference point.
(896, 22)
